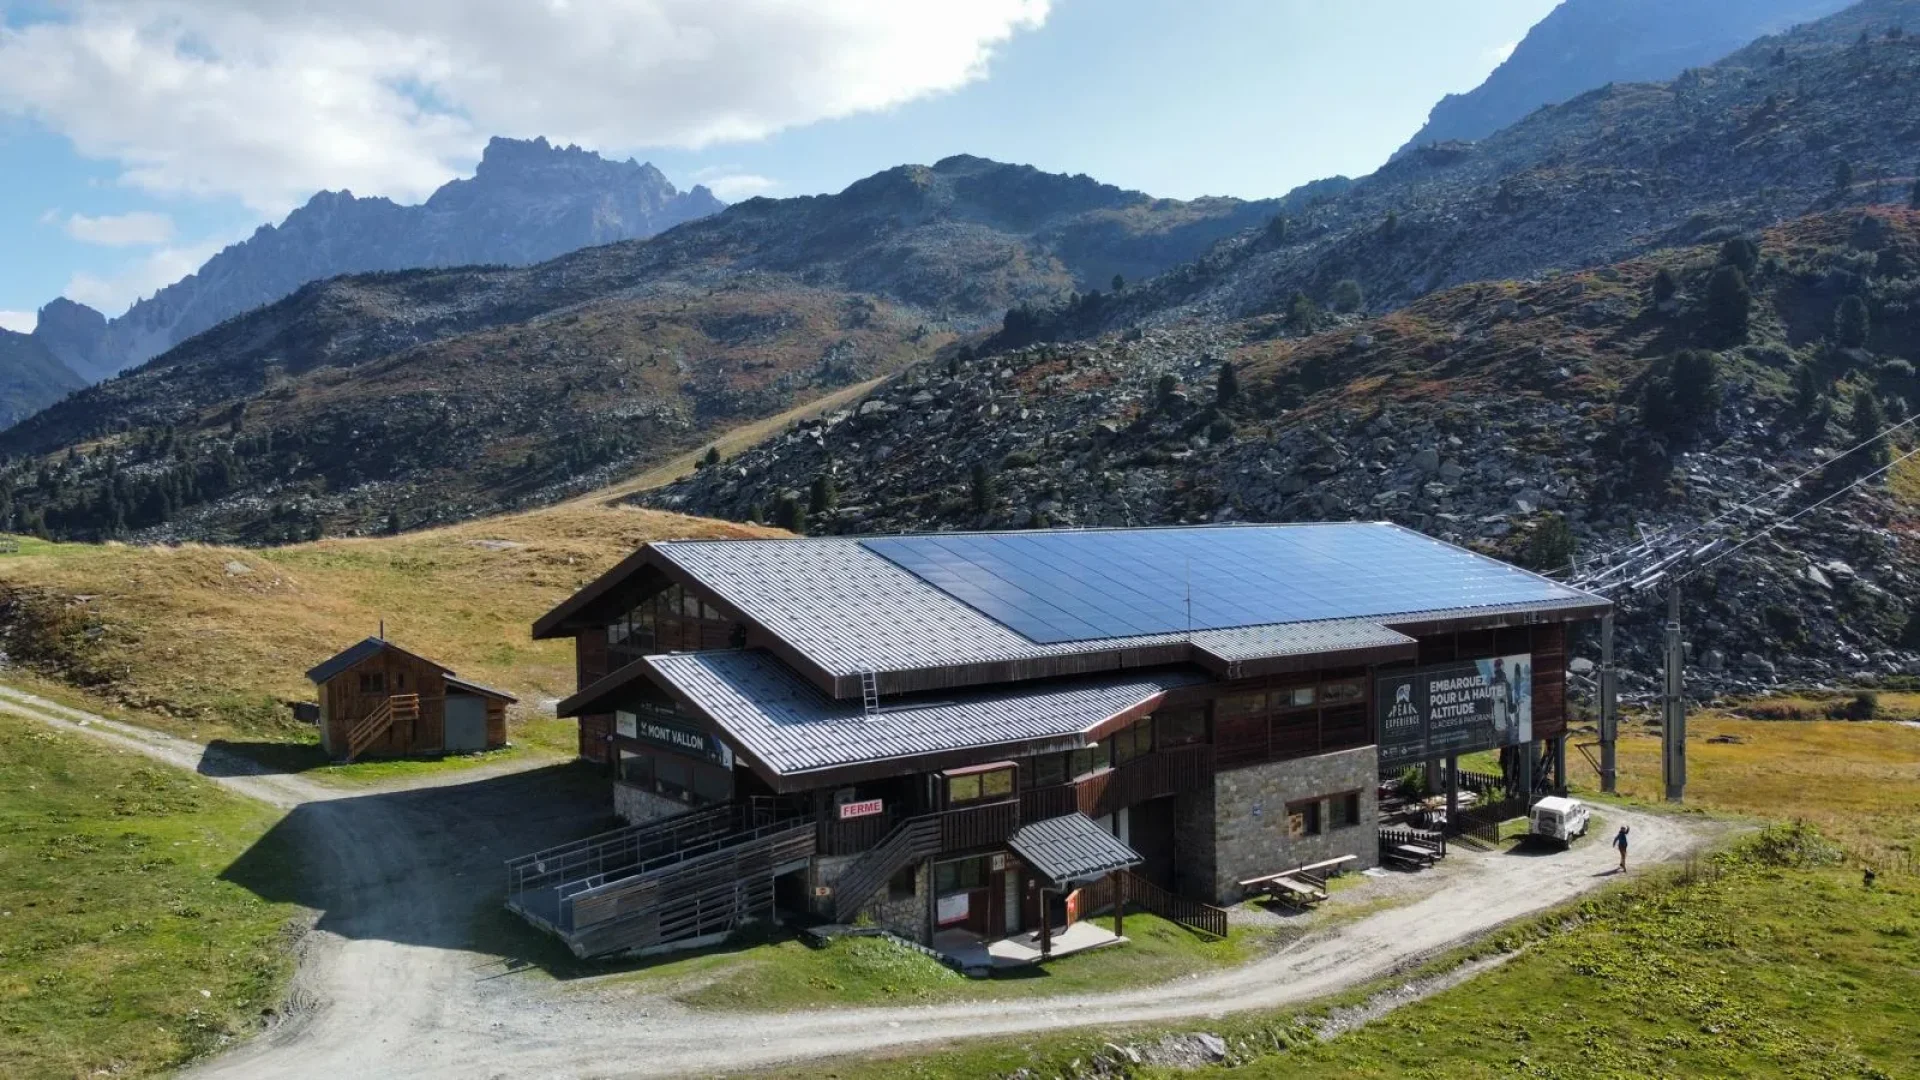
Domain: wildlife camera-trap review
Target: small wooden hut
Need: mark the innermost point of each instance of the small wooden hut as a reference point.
(377, 699)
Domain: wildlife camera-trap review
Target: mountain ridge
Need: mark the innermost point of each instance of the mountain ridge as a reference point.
(1583, 44)
(528, 201)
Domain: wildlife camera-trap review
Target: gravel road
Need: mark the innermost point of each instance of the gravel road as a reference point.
(388, 984)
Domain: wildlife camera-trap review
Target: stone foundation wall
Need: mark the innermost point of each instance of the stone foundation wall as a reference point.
(906, 916)
(1250, 817)
(637, 806)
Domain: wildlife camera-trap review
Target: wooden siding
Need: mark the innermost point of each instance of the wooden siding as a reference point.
(592, 662)
(344, 702)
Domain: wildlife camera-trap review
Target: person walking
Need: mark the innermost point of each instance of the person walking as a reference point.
(1620, 842)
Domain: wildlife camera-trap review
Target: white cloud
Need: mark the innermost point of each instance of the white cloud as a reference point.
(729, 184)
(271, 99)
(139, 228)
(1499, 53)
(20, 322)
(113, 292)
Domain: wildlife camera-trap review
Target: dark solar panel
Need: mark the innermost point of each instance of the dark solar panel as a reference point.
(1075, 586)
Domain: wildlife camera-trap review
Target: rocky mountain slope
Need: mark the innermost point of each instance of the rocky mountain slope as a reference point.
(526, 202)
(1584, 44)
(1827, 115)
(1545, 420)
(31, 377)
(435, 394)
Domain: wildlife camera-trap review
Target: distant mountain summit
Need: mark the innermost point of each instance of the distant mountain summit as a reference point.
(528, 201)
(1583, 44)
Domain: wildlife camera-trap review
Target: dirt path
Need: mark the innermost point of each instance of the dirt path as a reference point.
(389, 984)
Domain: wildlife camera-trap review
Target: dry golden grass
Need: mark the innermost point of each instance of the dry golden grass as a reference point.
(200, 638)
(1858, 781)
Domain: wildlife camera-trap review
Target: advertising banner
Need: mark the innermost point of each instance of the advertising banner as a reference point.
(1431, 712)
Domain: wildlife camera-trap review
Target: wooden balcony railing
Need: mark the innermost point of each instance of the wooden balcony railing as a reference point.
(979, 826)
(854, 835)
(1150, 776)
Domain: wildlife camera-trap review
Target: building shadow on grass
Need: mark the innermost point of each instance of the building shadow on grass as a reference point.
(228, 757)
(425, 867)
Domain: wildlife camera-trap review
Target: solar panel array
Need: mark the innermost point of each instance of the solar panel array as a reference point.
(1055, 587)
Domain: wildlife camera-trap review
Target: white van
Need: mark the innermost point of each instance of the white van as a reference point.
(1558, 820)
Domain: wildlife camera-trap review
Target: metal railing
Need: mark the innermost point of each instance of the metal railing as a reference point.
(612, 850)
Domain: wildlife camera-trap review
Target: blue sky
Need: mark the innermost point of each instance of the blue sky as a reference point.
(136, 140)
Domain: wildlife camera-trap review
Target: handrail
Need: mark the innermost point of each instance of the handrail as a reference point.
(622, 846)
(1196, 915)
(914, 838)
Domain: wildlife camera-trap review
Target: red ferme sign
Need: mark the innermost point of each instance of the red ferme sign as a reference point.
(864, 808)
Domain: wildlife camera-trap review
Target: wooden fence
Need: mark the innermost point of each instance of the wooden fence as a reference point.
(1195, 915)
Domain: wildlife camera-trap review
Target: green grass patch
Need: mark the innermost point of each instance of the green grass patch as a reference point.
(1770, 960)
(121, 950)
(777, 971)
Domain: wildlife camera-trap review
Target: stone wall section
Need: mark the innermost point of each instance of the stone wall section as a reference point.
(1250, 817)
(906, 916)
(637, 805)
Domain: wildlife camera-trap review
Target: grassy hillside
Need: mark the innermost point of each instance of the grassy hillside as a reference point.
(121, 951)
(1768, 960)
(212, 641)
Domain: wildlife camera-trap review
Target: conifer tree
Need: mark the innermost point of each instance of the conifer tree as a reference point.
(1729, 305)
(1228, 387)
(1851, 324)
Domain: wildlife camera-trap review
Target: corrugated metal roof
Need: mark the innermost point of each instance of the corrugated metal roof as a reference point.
(848, 610)
(791, 726)
(353, 654)
(1072, 848)
(478, 688)
(1297, 639)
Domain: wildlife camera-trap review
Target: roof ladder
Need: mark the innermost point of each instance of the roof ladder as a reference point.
(870, 692)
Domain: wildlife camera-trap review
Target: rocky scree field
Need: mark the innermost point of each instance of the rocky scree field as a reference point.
(1540, 420)
(1824, 116)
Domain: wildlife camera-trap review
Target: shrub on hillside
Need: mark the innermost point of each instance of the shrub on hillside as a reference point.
(1729, 305)
(1348, 297)
(1742, 253)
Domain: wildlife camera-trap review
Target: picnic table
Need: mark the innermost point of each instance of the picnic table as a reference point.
(1302, 887)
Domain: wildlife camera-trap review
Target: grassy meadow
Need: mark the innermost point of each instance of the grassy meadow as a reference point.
(1772, 958)
(122, 953)
(211, 642)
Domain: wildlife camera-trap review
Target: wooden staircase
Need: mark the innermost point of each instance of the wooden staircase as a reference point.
(912, 840)
(374, 726)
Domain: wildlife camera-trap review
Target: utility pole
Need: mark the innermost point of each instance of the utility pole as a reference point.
(1673, 728)
(1609, 706)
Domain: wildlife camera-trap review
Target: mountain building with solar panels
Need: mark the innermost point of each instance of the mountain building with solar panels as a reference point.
(971, 738)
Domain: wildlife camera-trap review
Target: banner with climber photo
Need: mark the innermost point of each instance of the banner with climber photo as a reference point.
(1432, 712)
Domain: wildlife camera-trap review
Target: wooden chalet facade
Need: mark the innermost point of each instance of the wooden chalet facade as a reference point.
(380, 700)
(907, 715)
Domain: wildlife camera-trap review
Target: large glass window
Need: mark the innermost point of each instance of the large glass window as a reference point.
(960, 875)
(1133, 740)
(1231, 707)
(1293, 697)
(1087, 762)
(1045, 770)
(979, 785)
(1180, 727)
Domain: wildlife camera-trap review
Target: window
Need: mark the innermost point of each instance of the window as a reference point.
(399, 680)
(1180, 727)
(1046, 770)
(979, 784)
(959, 876)
(1346, 810)
(1133, 740)
(1342, 693)
(1297, 697)
(1240, 706)
(373, 682)
(1303, 818)
(1087, 762)
(636, 768)
(902, 885)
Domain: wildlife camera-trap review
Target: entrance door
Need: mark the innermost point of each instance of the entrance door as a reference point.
(466, 727)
